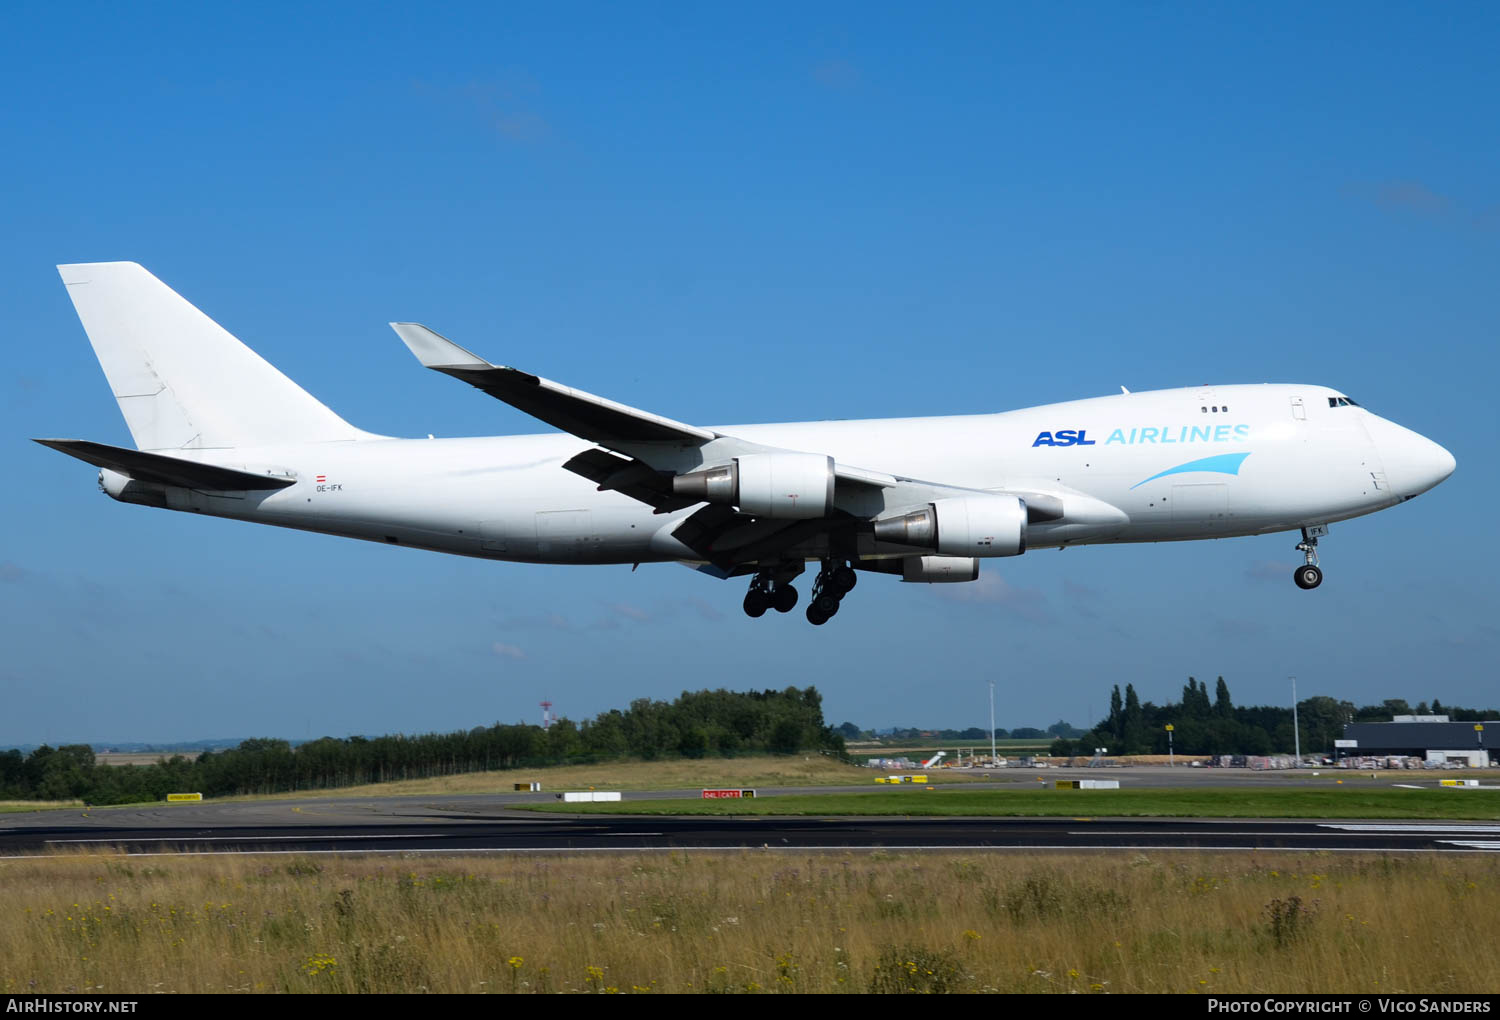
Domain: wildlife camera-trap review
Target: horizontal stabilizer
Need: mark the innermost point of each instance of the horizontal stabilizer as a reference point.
(164, 470)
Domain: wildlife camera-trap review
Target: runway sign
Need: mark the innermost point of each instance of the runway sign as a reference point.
(727, 794)
(173, 798)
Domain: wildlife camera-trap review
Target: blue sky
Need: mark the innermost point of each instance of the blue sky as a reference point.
(729, 215)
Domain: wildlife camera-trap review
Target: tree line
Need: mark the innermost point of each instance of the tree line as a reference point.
(695, 725)
(1213, 724)
(1061, 728)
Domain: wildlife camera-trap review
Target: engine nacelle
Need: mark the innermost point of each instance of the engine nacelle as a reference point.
(127, 490)
(962, 526)
(793, 486)
(939, 569)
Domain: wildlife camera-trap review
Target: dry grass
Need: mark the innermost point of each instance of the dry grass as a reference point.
(751, 772)
(141, 757)
(751, 921)
(12, 806)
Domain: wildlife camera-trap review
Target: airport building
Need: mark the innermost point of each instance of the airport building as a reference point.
(1432, 738)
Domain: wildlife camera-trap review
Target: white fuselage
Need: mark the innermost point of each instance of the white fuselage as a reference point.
(1191, 463)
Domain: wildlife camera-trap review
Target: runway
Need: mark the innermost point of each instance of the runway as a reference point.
(598, 833)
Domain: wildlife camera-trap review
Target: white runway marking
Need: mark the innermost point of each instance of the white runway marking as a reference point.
(1416, 827)
(1474, 844)
(241, 839)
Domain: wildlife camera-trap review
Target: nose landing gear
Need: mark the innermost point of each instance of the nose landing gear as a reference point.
(1309, 575)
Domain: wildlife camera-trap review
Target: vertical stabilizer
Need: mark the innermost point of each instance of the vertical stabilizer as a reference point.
(182, 380)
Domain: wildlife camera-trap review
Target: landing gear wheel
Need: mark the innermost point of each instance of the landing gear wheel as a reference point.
(756, 603)
(784, 598)
(826, 605)
(814, 617)
(843, 580)
(1308, 576)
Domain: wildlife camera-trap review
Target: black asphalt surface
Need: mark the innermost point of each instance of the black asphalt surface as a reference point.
(593, 833)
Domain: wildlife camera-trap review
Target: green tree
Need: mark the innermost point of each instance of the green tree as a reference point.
(786, 737)
(1223, 706)
(693, 743)
(563, 739)
(1133, 737)
(1115, 723)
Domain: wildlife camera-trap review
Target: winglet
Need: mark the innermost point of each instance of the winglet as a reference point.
(434, 350)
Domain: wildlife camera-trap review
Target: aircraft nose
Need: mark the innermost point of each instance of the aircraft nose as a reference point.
(1413, 463)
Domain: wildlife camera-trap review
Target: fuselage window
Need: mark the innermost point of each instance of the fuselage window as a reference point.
(1225, 408)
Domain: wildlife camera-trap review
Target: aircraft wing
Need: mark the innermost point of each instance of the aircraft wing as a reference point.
(612, 425)
(584, 415)
(638, 449)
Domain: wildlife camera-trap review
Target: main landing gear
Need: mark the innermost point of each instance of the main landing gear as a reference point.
(772, 589)
(1309, 575)
(832, 584)
(767, 593)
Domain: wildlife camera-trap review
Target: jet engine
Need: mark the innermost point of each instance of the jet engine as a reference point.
(961, 526)
(794, 486)
(938, 569)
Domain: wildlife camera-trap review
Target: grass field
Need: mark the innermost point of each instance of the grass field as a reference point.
(751, 921)
(1259, 802)
(141, 757)
(13, 806)
(683, 774)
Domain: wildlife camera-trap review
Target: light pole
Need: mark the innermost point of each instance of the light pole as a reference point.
(992, 723)
(1171, 760)
(1296, 730)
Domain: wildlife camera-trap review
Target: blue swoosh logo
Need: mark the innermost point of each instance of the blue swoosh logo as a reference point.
(1224, 463)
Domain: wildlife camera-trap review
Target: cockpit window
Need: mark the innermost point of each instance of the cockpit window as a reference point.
(1341, 402)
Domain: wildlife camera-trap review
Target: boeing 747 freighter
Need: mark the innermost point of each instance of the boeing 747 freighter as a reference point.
(220, 431)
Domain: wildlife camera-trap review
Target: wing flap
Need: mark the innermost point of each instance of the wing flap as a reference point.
(164, 470)
(612, 473)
